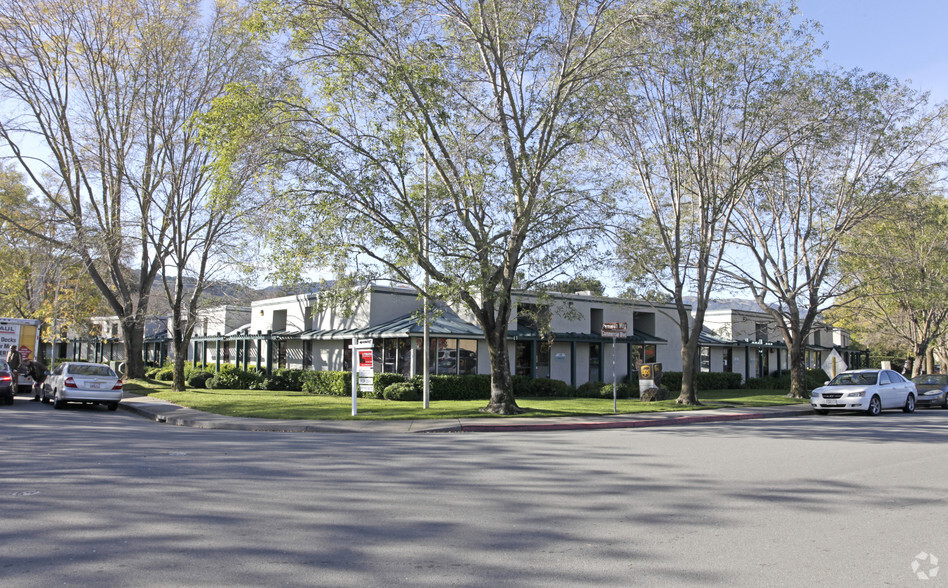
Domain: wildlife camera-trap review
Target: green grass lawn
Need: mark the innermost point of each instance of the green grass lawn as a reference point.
(300, 405)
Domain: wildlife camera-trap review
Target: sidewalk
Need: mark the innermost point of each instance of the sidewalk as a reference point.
(172, 414)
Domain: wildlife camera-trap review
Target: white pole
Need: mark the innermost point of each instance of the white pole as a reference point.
(614, 386)
(355, 376)
(425, 379)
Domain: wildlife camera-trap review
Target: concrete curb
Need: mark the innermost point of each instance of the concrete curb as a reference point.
(172, 414)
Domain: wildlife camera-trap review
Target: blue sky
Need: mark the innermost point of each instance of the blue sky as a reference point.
(902, 38)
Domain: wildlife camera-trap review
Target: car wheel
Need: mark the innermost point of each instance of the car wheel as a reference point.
(875, 406)
(909, 404)
(113, 406)
(820, 411)
(57, 401)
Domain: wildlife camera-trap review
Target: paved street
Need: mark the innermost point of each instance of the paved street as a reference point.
(90, 497)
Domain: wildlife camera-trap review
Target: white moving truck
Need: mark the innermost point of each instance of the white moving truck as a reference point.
(25, 334)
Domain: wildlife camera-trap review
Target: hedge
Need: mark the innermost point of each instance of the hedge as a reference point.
(705, 381)
(401, 391)
(814, 379)
(470, 387)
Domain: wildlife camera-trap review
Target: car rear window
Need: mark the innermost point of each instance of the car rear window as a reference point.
(91, 370)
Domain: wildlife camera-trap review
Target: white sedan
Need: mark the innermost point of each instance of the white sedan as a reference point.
(91, 383)
(870, 391)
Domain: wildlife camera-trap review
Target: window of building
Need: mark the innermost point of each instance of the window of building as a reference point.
(533, 317)
(595, 321)
(279, 320)
(817, 337)
(403, 362)
(307, 354)
(595, 361)
(522, 358)
(281, 353)
(728, 360)
(543, 359)
(467, 357)
(760, 332)
(705, 358)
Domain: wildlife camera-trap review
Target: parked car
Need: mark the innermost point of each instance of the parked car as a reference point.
(871, 391)
(932, 390)
(91, 383)
(6, 383)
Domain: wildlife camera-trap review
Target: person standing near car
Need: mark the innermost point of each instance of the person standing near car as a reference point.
(37, 371)
(13, 360)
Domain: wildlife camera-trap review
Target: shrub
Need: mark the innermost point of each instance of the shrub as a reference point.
(591, 390)
(165, 374)
(704, 381)
(401, 391)
(231, 378)
(382, 381)
(469, 387)
(198, 379)
(548, 387)
(328, 383)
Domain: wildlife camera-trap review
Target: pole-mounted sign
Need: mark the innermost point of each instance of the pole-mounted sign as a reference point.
(614, 330)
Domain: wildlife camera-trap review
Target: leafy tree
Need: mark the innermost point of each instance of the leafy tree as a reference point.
(91, 90)
(898, 268)
(857, 143)
(695, 131)
(203, 208)
(38, 280)
(445, 145)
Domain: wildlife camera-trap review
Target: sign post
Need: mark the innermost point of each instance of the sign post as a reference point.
(363, 370)
(614, 330)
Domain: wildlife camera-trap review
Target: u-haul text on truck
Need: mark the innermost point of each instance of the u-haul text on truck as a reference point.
(25, 334)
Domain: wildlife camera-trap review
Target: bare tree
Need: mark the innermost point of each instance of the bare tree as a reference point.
(857, 144)
(695, 132)
(86, 87)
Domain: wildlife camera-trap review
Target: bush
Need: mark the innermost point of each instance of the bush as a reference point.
(547, 387)
(382, 381)
(705, 381)
(165, 374)
(328, 383)
(591, 390)
(231, 378)
(198, 379)
(814, 379)
(401, 391)
(469, 387)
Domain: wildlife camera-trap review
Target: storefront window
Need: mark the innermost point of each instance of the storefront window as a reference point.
(705, 354)
(403, 365)
(522, 365)
(389, 355)
(467, 357)
(595, 362)
(543, 359)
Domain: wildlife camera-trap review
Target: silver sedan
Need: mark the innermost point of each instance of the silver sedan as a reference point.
(90, 383)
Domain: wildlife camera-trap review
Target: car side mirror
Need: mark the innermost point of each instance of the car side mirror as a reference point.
(826, 383)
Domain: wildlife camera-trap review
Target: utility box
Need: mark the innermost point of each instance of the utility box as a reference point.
(650, 376)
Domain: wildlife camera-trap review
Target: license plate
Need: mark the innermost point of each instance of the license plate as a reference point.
(829, 402)
(95, 386)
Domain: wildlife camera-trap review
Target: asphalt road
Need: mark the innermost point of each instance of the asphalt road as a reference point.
(90, 497)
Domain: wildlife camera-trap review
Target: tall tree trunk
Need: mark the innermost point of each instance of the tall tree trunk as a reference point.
(689, 373)
(133, 330)
(797, 370)
(501, 384)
